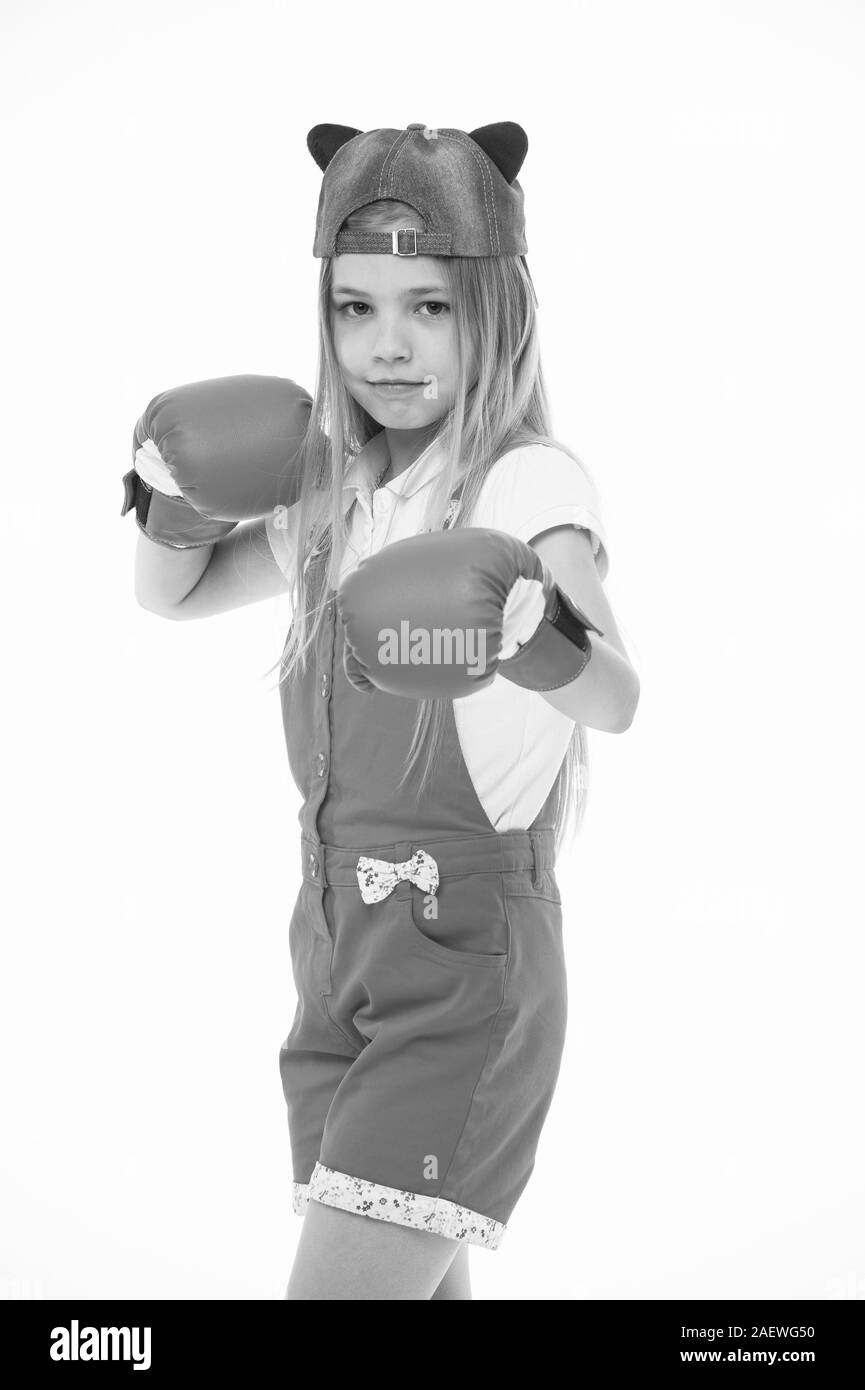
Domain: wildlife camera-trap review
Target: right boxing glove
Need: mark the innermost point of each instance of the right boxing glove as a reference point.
(214, 453)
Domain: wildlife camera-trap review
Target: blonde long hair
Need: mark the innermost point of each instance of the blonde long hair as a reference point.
(493, 303)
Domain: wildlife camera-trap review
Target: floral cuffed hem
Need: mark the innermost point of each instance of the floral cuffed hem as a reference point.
(434, 1214)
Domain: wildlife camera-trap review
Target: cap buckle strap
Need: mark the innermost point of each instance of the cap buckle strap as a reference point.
(396, 243)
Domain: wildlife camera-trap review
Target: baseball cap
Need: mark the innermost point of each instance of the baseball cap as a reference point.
(464, 185)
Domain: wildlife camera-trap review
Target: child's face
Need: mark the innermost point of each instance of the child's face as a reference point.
(392, 318)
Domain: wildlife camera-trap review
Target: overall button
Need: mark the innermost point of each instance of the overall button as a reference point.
(325, 684)
(312, 865)
(320, 764)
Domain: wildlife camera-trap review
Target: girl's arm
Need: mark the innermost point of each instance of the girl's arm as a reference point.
(606, 693)
(207, 579)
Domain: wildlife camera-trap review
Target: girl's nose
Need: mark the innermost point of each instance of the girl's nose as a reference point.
(391, 338)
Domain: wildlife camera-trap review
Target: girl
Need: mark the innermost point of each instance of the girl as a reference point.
(426, 939)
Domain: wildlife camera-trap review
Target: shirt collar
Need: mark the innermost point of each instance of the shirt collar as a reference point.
(366, 466)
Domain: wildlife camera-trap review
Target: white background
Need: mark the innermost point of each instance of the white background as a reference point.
(695, 226)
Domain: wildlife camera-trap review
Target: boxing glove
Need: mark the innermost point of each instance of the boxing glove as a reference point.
(214, 453)
(440, 614)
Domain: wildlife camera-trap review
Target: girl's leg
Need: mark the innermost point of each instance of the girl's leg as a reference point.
(456, 1283)
(343, 1255)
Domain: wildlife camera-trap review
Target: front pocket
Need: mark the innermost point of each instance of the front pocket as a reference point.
(470, 925)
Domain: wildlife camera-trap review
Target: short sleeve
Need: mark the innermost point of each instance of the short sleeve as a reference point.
(535, 487)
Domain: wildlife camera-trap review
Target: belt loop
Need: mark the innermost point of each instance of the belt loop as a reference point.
(537, 881)
(314, 862)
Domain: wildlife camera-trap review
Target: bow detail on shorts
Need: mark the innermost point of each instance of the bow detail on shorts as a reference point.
(378, 877)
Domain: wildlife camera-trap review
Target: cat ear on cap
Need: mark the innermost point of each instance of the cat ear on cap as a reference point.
(323, 141)
(506, 143)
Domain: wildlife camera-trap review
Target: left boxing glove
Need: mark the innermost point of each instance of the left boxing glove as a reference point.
(440, 614)
(214, 453)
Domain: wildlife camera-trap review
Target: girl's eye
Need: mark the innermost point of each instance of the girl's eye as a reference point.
(358, 309)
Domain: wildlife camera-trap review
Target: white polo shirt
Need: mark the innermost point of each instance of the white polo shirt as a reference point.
(512, 740)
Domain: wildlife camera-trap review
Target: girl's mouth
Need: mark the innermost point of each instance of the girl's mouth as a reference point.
(390, 388)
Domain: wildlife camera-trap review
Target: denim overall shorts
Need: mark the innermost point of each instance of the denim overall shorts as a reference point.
(429, 1028)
